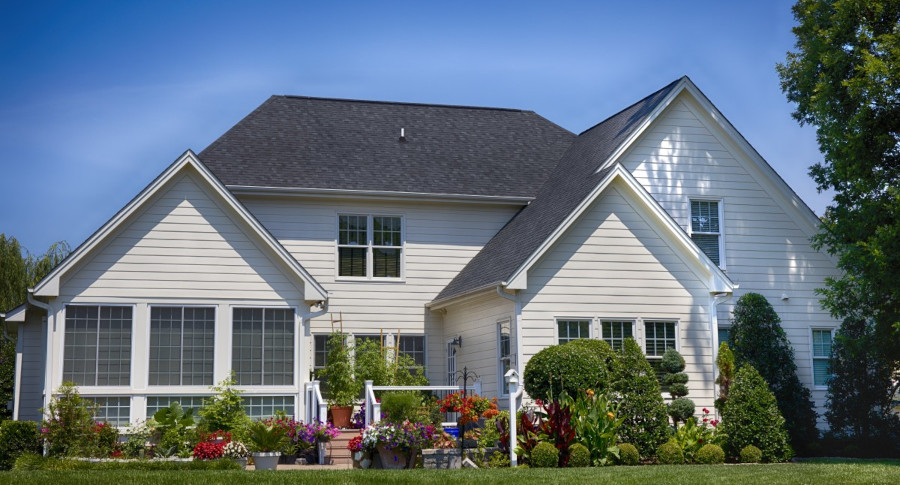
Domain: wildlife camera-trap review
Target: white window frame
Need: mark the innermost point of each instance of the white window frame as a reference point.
(813, 358)
(148, 332)
(298, 333)
(452, 355)
(644, 342)
(616, 320)
(591, 322)
(501, 372)
(370, 247)
(721, 206)
(60, 367)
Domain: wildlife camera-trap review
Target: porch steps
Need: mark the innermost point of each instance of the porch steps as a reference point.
(338, 454)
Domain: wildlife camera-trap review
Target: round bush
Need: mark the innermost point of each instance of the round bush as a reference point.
(628, 454)
(751, 417)
(681, 409)
(751, 454)
(677, 378)
(672, 362)
(17, 438)
(579, 456)
(679, 389)
(710, 455)
(670, 454)
(572, 367)
(544, 455)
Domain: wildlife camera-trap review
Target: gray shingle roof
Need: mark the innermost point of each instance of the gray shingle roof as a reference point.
(302, 142)
(574, 177)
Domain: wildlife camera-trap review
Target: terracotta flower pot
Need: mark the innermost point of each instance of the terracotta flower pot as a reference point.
(340, 415)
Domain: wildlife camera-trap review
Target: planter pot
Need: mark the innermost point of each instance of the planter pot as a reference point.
(266, 461)
(241, 461)
(340, 416)
(393, 459)
(438, 458)
(321, 449)
(361, 459)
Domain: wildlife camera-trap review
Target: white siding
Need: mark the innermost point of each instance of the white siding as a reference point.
(440, 238)
(684, 155)
(32, 383)
(476, 322)
(612, 264)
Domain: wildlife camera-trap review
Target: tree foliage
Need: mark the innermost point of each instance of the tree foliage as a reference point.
(760, 341)
(725, 364)
(844, 77)
(646, 422)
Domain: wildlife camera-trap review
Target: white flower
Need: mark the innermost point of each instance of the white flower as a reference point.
(235, 449)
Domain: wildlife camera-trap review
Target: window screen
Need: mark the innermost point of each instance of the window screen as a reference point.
(97, 350)
(263, 346)
(182, 341)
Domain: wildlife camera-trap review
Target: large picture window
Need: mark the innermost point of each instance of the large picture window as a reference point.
(182, 342)
(370, 246)
(262, 351)
(706, 229)
(97, 349)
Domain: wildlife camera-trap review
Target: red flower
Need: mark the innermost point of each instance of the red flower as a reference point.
(705, 411)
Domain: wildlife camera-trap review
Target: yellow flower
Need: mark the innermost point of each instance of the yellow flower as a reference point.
(611, 415)
(590, 393)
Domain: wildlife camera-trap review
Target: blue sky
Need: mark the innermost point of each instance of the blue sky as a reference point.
(97, 98)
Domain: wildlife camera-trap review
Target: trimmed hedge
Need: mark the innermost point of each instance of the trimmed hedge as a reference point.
(16, 439)
(571, 367)
(751, 417)
(710, 455)
(670, 454)
(579, 456)
(544, 455)
(628, 454)
(32, 462)
(751, 454)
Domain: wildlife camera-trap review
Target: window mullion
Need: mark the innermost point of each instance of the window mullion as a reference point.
(262, 364)
(97, 352)
(181, 352)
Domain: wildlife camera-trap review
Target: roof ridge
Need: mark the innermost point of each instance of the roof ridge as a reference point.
(617, 113)
(402, 103)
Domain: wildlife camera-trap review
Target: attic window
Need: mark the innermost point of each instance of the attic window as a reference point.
(706, 229)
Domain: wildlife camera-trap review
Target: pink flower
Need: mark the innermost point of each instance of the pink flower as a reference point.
(705, 411)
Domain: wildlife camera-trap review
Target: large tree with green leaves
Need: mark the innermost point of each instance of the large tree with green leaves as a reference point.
(844, 77)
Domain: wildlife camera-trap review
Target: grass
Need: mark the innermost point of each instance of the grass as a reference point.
(818, 472)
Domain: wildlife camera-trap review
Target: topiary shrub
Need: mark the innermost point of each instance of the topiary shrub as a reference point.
(751, 454)
(16, 439)
(571, 367)
(628, 454)
(579, 456)
(646, 418)
(710, 455)
(670, 454)
(758, 340)
(544, 455)
(751, 417)
(681, 408)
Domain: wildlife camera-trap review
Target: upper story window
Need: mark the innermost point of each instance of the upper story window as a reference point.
(573, 329)
(821, 355)
(706, 229)
(615, 333)
(370, 246)
(262, 346)
(182, 341)
(97, 350)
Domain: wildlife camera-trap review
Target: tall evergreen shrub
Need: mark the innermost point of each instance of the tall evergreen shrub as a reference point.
(646, 421)
(681, 408)
(750, 416)
(759, 341)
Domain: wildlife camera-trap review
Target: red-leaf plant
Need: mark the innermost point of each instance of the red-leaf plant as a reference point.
(557, 426)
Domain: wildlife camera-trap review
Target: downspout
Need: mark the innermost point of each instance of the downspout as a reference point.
(48, 361)
(518, 306)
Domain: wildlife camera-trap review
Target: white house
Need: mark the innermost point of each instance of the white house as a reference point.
(472, 236)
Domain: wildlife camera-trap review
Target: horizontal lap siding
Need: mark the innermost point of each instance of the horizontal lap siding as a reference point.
(31, 397)
(611, 264)
(183, 245)
(476, 322)
(439, 240)
(682, 156)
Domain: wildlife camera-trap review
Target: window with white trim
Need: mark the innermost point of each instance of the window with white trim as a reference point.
(821, 356)
(182, 342)
(615, 332)
(370, 246)
(262, 348)
(263, 407)
(659, 336)
(504, 354)
(572, 329)
(97, 350)
(706, 228)
(113, 410)
(155, 403)
(725, 335)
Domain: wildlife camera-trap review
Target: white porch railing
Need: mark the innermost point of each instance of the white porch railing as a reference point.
(373, 407)
(316, 408)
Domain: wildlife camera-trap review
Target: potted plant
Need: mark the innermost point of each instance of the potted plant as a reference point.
(237, 451)
(397, 443)
(342, 387)
(318, 434)
(267, 441)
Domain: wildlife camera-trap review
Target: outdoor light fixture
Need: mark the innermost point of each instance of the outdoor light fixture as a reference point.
(457, 341)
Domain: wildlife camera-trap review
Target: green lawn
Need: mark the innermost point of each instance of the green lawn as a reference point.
(818, 473)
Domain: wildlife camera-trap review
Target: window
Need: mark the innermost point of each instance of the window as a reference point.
(114, 410)
(615, 333)
(705, 228)
(365, 238)
(569, 330)
(262, 407)
(659, 337)
(263, 346)
(451, 363)
(504, 353)
(155, 403)
(725, 335)
(414, 347)
(97, 349)
(821, 355)
(181, 346)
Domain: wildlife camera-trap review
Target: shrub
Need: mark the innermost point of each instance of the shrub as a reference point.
(646, 418)
(136, 444)
(710, 455)
(16, 439)
(69, 423)
(628, 454)
(681, 409)
(400, 406)
(498, 459)
(544, 455)
(725, 363)
(751, 454)
(207, 450)
(670, 454)
(572, 367)
(672, 365)
(34, 462)
(384, 367)
(338, 372)
(579, 456)
(596, 420)
(758, 340)
(690, 436)
(225, 410)
(751, 417)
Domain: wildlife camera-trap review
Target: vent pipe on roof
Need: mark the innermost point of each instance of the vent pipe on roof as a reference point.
(402, 135)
